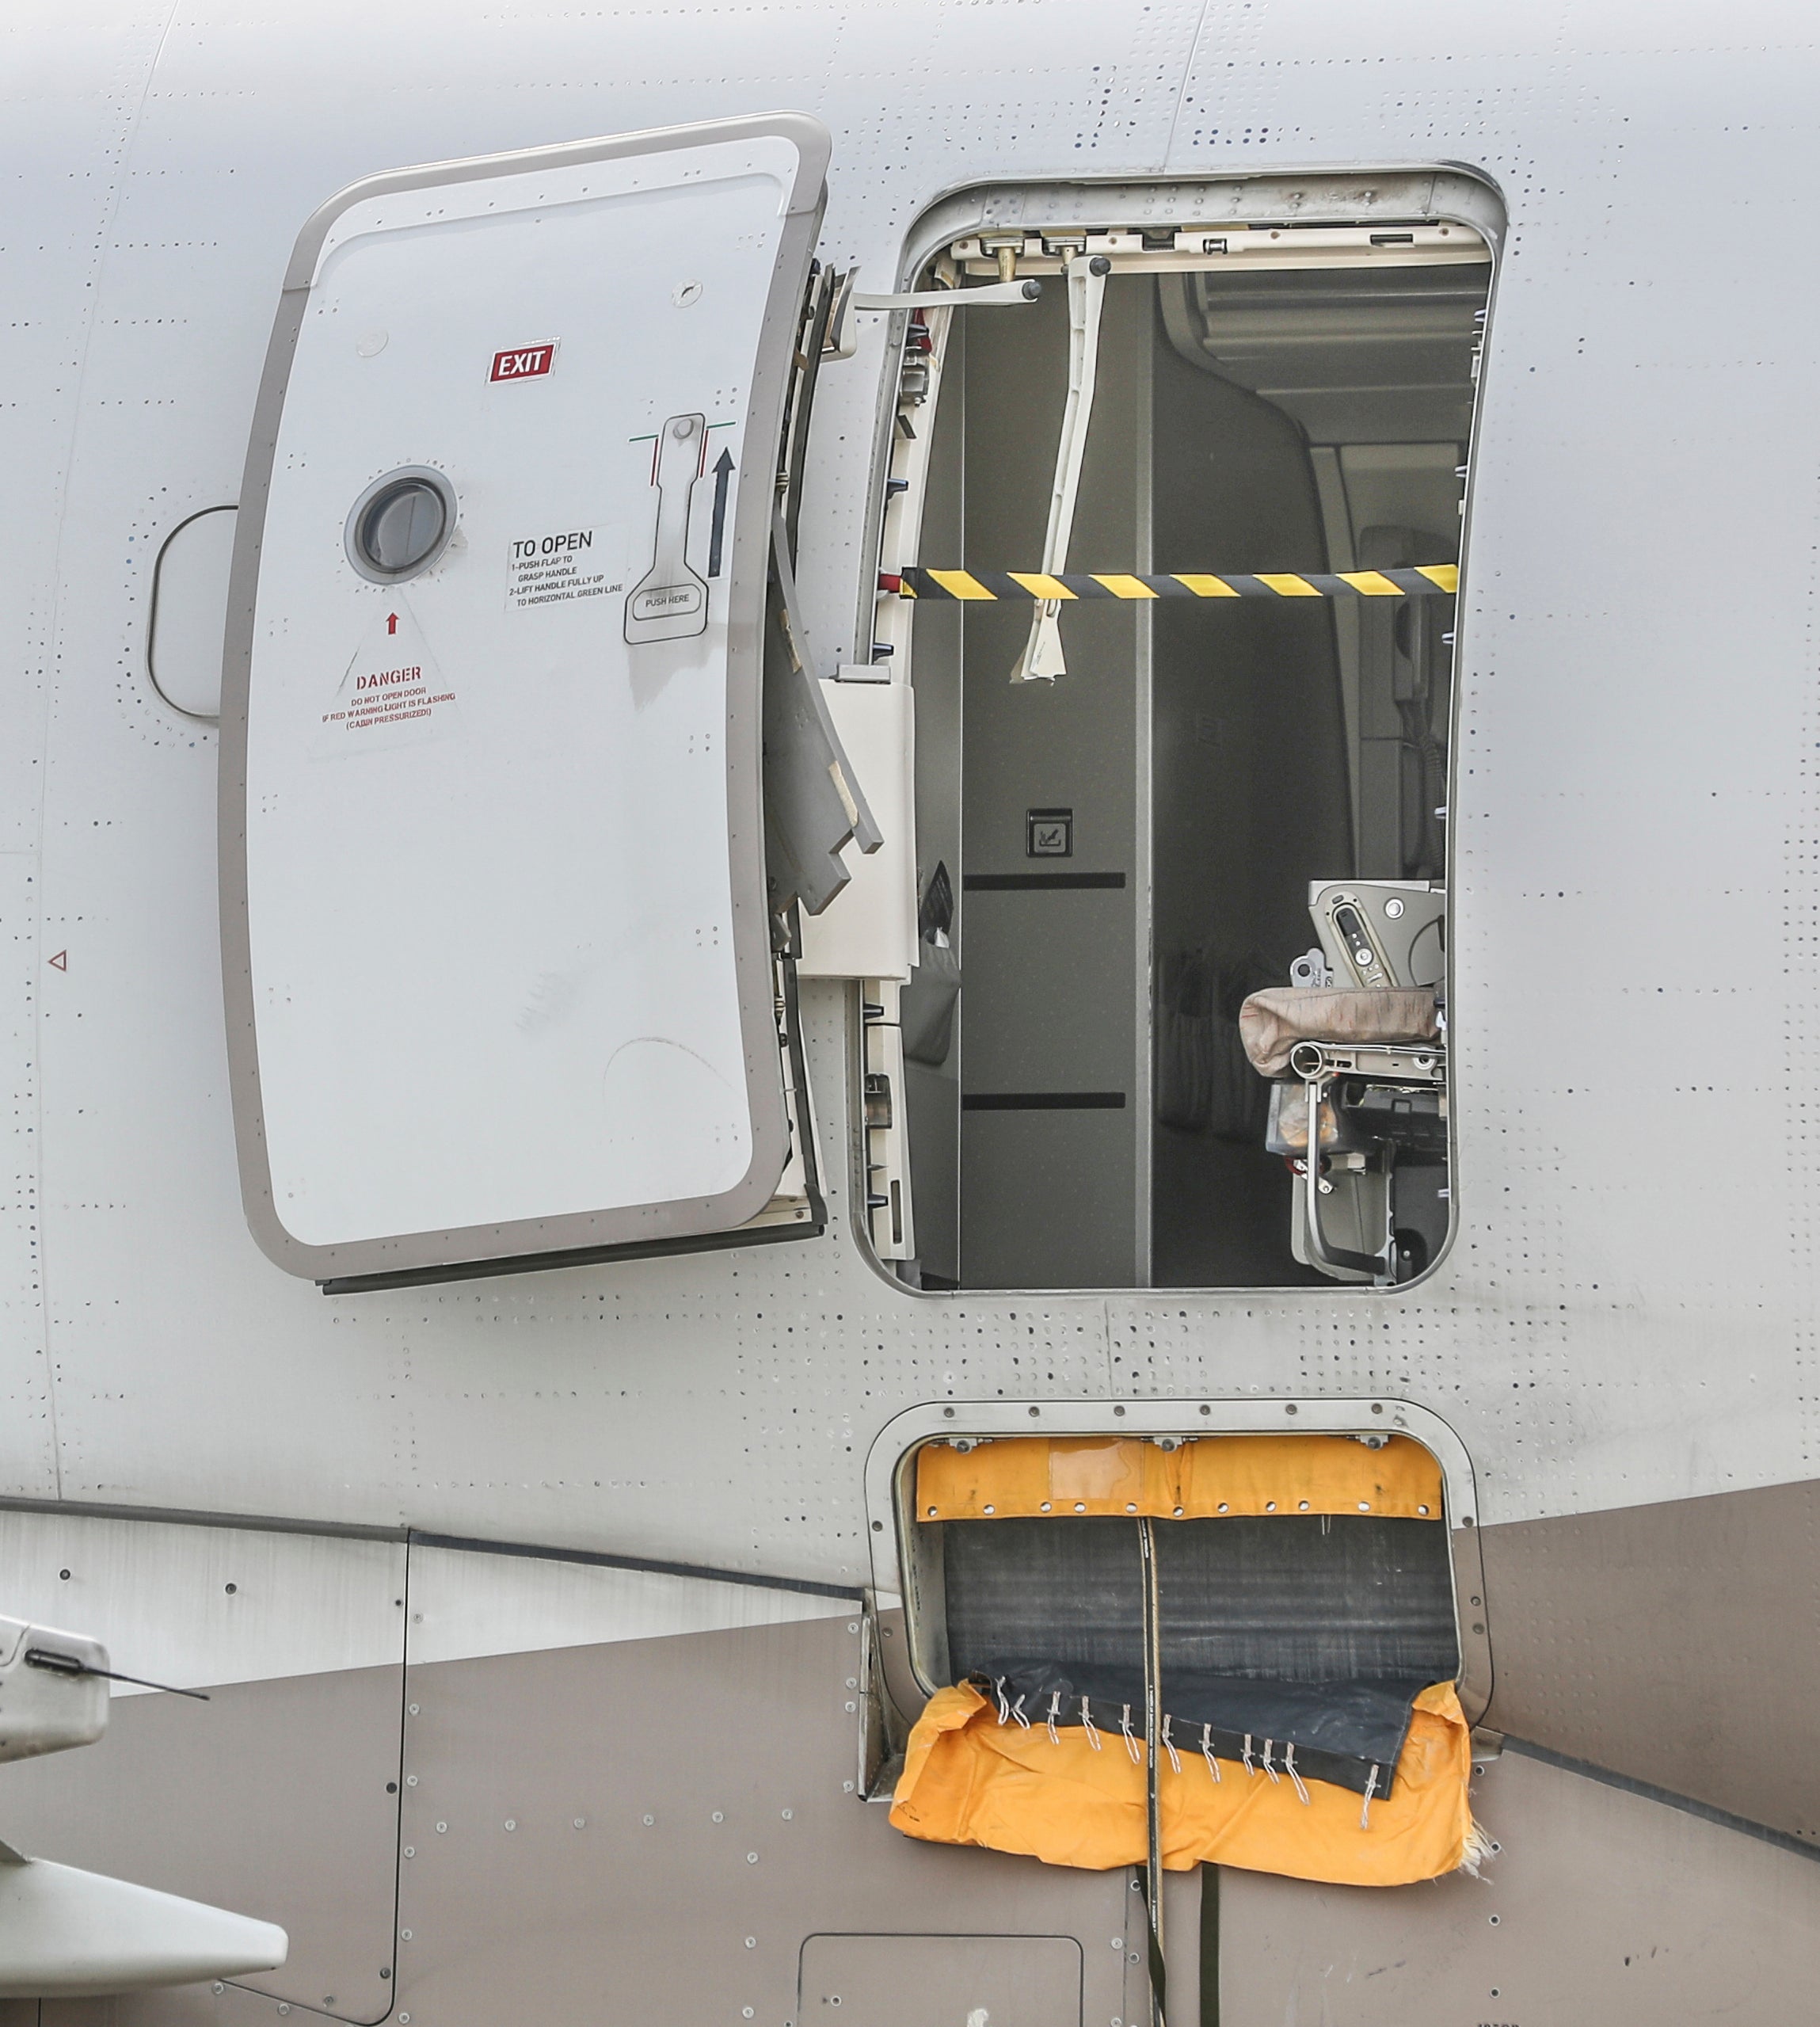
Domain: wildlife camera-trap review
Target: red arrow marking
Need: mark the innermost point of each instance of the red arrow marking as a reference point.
(60, 961)
(391, 622)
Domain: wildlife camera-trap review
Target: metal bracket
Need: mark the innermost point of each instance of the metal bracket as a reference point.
(1042, 660)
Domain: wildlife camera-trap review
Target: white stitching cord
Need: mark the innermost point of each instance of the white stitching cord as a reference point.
(1055, 1711)
(1290, 1769)
(1371, 1790)
(1276, 1779)
(1018, 1712)
(1087, 1718)
(1207, 1749)
(1130, 1742)
(1245, 1755)
(1004, 1707)
(1169, 1745)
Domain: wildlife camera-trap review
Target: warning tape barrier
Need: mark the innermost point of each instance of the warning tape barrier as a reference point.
(1434, 580)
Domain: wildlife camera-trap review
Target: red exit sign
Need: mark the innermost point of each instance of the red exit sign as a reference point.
(523, 362)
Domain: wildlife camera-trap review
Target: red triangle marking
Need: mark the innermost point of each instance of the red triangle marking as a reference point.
(60, 961)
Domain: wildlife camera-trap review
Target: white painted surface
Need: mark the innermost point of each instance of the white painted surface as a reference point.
(70, 1935)
(465, 1603)
(1628, 1313)
(48, 1709)
(491, 919)
(869, 929)
(158, 1593)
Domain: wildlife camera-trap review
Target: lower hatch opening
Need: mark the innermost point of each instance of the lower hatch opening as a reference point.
(1277, 1611)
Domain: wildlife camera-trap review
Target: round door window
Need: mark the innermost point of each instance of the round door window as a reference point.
(401, 524)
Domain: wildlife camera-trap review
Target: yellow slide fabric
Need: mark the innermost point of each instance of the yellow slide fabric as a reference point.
(1207, 1477)
(967, 1779)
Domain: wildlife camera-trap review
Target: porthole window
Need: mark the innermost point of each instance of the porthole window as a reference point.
(401, 524)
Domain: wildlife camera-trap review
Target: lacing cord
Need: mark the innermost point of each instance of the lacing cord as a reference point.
(1371, 1790)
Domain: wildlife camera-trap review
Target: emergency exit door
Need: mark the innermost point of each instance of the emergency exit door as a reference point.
(498, 969)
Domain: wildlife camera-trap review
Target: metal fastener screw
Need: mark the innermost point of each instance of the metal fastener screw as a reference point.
(751, 1942)
(648, 1821)
(384, 1972)
(853, 1626)
(581, 1822)
(752, 1858)
(846, 1787)
(440, 1828)
(788, 1814)
(404, 1935)
(218, 1986)
(410, 1850)
(851, 1706)
(1119, 1942)
(413, 1708)
(410, 1780)
(719, 1817)
(511, 1823)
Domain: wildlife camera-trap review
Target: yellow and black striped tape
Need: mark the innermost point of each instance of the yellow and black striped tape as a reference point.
(1434, 580)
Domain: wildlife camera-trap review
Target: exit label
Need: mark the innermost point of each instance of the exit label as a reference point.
(523, 362)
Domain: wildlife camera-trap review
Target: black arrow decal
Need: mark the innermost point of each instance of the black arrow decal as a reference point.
(723, 471)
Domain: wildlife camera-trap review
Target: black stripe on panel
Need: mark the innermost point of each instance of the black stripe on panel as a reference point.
(1029, 882)
(1043, 1101)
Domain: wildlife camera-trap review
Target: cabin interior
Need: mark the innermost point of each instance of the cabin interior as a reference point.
(1132, 848)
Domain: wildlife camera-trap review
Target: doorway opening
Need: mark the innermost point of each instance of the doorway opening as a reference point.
(1235, 782)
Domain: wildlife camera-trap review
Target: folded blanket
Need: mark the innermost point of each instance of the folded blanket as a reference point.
(1273, 1021)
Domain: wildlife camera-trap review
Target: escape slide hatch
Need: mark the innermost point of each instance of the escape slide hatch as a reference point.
(1259, 1628)
(499, 967)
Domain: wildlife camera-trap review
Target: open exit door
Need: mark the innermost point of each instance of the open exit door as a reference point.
(499, 968)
